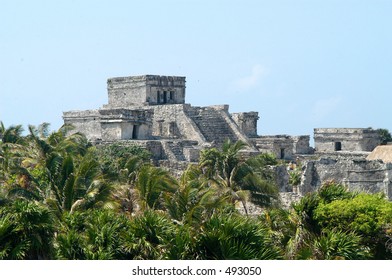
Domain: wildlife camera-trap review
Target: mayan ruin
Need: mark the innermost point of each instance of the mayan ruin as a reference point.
(151, 111)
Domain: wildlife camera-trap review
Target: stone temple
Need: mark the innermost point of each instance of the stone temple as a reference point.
(151, 111)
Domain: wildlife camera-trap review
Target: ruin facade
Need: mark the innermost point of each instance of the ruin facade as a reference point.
(283, 146)
(327, 140)
(153, 108)
(151, 111)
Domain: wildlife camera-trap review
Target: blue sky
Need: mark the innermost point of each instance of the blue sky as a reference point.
(300, 64)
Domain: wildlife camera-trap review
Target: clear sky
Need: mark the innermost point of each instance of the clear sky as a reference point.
(300, 64)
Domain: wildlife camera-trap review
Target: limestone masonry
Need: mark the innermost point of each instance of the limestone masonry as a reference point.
(150, 110)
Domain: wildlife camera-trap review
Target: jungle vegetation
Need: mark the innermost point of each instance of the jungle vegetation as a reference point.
(63, 198)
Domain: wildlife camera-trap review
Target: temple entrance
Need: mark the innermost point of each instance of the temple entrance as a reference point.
(135, 132)
(282, 153)
(338, 146)
(164, 97)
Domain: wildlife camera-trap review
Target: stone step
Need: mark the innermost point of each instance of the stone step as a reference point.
(213, 126)
(177, 151)
(174, 151)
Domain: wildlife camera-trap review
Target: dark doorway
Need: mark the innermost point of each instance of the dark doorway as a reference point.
(338, 146)
(164, 97)
(172, 129)
(282, 153)
(135, 132)
(158, 97)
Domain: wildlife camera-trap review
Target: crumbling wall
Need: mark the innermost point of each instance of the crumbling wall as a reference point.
(282, 146)
(87, 122)
(282, 178)
(127, 91)
(172, 121)
(145, 90)
(301, 145)
(357, 173)
(111, 124)
(247, 122)
(345, 139)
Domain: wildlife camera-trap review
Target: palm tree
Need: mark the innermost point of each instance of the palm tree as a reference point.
(311, 239)
(306, 228)
(123, 160)
(12, 134)
(295, 179)
(150, 236)
(26, 231)
(233, 236)
(124, 194)
(76, 185)
(195, 199)
(240, 179)
(62, 170)
(336, 244)
(151, 186)
(95, 234)
(12, 151)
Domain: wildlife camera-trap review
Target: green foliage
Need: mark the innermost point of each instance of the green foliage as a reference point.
(12, 134)
(305, 209)
(229, 236)
(279, 224)
(331, 191)
(385, 136)
(240, 179)
(152, 185)
(368, 215)
(150, 236)
(26, 231)
(116, 157)
(327, 220)
(365, 214)
(336, 244)
(62, 198)
(195, 200)
(295, 178)
(264, 159)
(92, 235)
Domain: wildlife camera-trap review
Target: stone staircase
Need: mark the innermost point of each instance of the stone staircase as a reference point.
(174, 151)
(213, 125)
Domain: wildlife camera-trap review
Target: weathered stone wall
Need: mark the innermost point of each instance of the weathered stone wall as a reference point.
(192, 154)
(216, 125)
(154, 147)
(282, 178)
(87, 122)
(172, 121)
(111, 132)
(247, 122)
(288, 198)
(356, 173)
(127, 91)
(301, 145)
(111, 124)
(345, 139)
(165, 90)
(240, 135)
(146, 90)
(282, 146)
